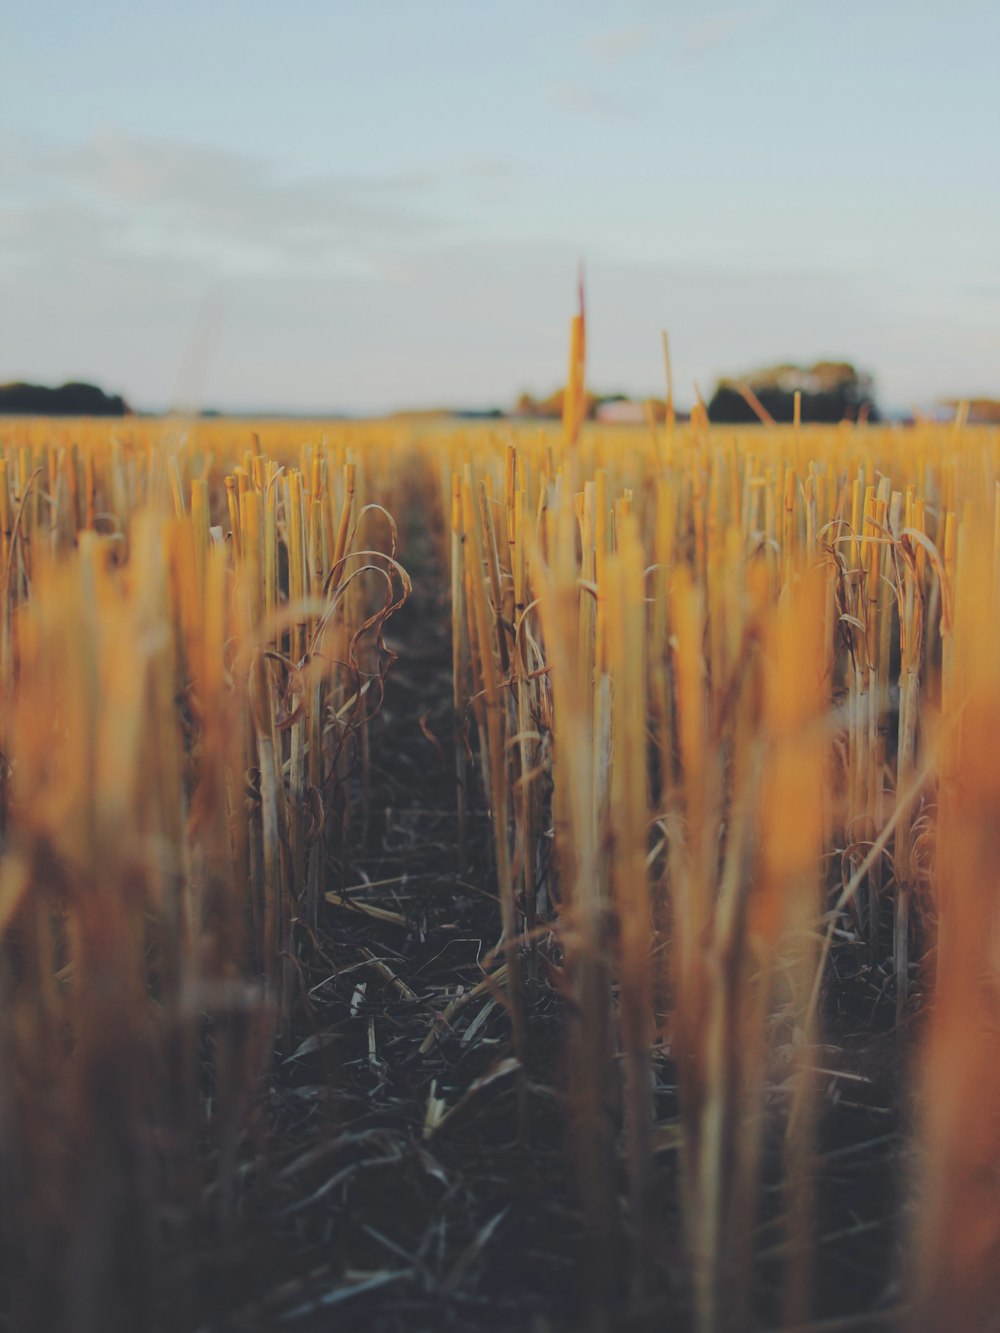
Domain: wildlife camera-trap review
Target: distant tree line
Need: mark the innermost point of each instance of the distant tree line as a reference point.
(550, 408)
(68, 400)
(831, 391)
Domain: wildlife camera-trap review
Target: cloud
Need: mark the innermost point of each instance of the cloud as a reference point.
(616, 45)
(712, 33)
(216, 210)
(587, 101)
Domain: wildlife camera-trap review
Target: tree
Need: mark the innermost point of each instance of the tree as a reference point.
(831, 391)
(69, 400)
(551, 407)
(982, 411)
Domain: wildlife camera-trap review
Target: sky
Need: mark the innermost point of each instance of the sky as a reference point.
(361, 205)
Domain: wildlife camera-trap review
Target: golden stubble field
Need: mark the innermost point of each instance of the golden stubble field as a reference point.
(731, 701)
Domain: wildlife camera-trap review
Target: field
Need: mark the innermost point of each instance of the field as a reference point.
(510, 876)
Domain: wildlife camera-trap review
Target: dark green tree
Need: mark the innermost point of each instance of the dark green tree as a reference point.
(68, 400)
(831, 391)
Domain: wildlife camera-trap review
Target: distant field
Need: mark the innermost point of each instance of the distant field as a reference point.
(595, 829)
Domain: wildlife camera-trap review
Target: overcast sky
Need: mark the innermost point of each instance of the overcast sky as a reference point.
(363, 204)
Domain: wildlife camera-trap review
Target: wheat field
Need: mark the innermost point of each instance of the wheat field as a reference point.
(690, 730)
